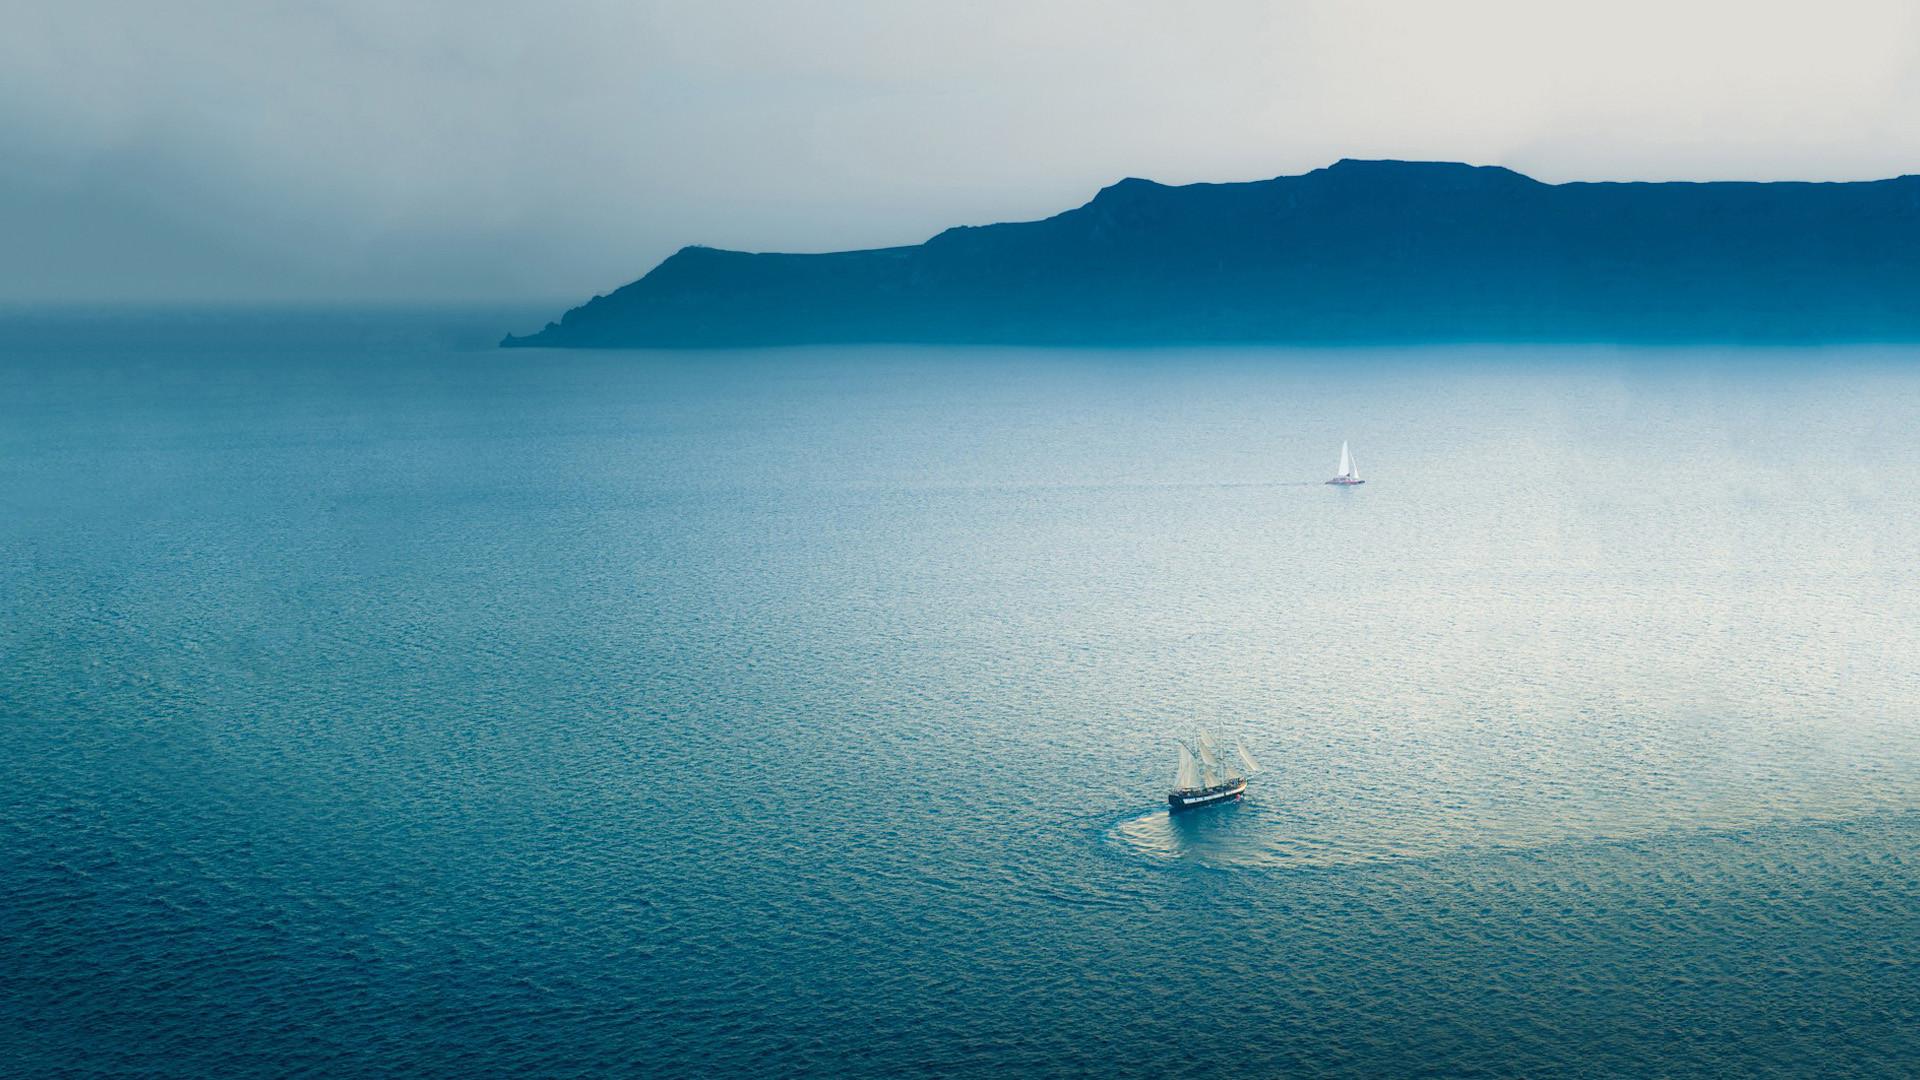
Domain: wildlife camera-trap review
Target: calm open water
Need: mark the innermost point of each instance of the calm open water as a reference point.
(371, 703)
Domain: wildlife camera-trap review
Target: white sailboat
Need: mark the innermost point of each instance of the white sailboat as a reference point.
(1204, 778)
(1349, 472)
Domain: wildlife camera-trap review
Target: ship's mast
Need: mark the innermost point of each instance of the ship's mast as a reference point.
(1189, 774)
(1203, 764)
(1204, 742)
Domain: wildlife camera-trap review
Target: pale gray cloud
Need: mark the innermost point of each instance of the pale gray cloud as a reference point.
(443, 150)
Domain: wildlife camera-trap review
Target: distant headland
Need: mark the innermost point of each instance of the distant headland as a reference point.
(1360, 251)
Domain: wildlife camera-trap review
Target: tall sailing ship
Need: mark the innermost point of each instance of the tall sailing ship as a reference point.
(1349, 472)
(1207, 775)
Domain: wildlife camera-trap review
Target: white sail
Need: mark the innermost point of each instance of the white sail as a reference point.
(1210, 771)
(1246, 759)
(1204, 742)
(1346, 460)
(1189, 776)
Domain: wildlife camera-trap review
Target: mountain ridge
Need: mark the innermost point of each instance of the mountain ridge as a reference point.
(1357, 251)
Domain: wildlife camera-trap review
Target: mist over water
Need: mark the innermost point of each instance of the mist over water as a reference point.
(369, 703)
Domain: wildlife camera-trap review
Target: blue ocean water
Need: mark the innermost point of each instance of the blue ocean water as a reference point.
(373, 702)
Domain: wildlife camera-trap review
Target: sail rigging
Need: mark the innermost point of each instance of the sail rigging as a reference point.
(1209, 764)
(1189, 777)
(1208, 774)
(1204, 743)
(1203, 764)
(1246, 759)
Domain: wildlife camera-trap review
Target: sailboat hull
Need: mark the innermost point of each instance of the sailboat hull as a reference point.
(1346, 481)
(1191, 798)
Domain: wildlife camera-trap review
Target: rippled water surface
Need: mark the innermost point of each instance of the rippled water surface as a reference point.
(371, 705)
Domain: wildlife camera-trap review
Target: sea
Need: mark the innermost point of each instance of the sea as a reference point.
(375, 702)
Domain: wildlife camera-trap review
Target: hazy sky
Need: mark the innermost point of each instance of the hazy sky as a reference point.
(473, 149)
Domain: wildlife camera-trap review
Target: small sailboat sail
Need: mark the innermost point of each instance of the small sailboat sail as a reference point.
(1349, 472)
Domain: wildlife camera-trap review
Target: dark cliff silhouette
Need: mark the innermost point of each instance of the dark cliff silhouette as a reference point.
(1361, 251)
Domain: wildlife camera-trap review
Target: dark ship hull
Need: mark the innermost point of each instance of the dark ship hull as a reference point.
(1191, 798)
